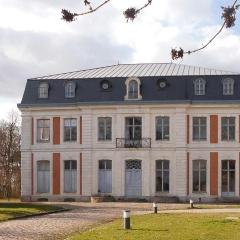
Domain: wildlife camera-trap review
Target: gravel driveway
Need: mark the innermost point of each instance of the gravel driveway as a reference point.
(81, 217)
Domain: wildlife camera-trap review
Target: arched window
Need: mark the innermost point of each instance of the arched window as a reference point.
(70, 90)
(199, 179)
(43, 90)
(228, 86)
(43, 176)
(133, 89)
(199, 86)
(162, 176)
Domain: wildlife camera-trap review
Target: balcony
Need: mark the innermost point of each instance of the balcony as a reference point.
(133, 143)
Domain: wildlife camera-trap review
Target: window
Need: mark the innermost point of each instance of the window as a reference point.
(199, 128)
(43, 176)
(104, 128)
(43, 90)
(70, 129)
(228, 86)
(162, 128)
(43, 130)
(228, 176)
(70, 90)
(133, 128)
(199, 176)
(105, 176)
(105, 85)
(133, 89)
(162, 176)
(199, 86)
(70, 176)
(228, 128)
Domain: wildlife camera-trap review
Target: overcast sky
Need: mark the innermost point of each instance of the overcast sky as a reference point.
(34, 41)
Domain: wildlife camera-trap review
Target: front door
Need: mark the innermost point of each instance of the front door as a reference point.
(105, 176)
(133, 178)
(228, 178)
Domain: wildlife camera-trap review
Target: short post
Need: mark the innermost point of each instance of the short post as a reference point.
(155, 208)
(126, 219)
(191, 203)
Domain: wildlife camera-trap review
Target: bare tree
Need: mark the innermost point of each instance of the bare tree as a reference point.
(10, 156)
(228, 15)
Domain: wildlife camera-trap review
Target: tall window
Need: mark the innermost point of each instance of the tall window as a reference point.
(104, 128)
(199, 176)
(133, 128)
(43, 90)
(43, 176)
(70, 129)
(228, 176)
(70, 176)
(70, 90)
(162, 128)
(43, 130)
(228, 86)
(133, 89)
(199, 86)
(162, 176)
(228, 128)
(105, 176)
(199, 128)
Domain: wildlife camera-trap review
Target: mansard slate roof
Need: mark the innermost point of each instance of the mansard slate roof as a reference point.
(179, 88)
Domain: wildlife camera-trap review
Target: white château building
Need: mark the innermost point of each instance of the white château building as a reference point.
(132, 131)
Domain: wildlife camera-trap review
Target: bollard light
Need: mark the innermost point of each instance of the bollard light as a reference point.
(126, 219)
(191, 203)
(155, 207)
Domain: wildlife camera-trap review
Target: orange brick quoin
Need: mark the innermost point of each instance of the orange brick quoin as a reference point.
(213, 129)
(213, 173)
(56, 130)
(56, 173)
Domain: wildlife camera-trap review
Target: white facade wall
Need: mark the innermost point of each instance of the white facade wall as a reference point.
(175, 150)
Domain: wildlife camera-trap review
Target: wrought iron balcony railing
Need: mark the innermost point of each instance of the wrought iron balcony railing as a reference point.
(133, 143)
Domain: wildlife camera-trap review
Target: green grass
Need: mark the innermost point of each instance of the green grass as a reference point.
(169, 227)
(13, 210)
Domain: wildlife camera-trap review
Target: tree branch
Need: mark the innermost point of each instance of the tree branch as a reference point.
(229, 14)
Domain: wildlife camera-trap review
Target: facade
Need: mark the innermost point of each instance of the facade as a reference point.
(132, 131)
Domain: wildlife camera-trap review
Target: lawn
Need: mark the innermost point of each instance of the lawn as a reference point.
(170, 227)
(13, 210)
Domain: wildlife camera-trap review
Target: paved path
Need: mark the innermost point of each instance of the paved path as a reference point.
(83, 216)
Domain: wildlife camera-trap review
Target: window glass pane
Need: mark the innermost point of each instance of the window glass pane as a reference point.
(162, 175)
(159, 165)
(203, 184)
(165, 181)
(159, 181)
(232, 181)
(225, 164)
(74, 164)
(195, 181)
(165, 164)
(67, 165)
(224, 181)
(232, 164)
(108, 164)
(43, 176)
(133, 89)
(232, 133)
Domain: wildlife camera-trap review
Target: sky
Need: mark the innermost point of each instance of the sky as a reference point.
(34, 41)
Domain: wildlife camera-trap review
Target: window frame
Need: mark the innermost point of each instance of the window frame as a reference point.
(162, 170)
(138, 95)
(65, 127)
(199, 87)
(199, 126)
(49, 176)
(199, 170)
(43, 90)
(41, 140)
(228, 170)
(105, 128)
(161, 124)
(228, 125)
(228, 86)
(70, 89)
(71, 170)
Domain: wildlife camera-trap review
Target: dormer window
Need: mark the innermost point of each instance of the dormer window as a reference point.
(133, 89)
(70, 90)
(199, 86)
(228, 86)
(43, 90)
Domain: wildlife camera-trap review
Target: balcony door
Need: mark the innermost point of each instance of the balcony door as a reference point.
(228, 177)
(133, 132)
